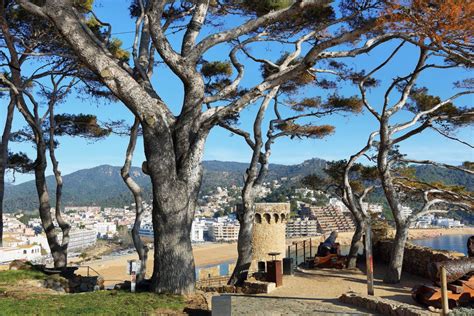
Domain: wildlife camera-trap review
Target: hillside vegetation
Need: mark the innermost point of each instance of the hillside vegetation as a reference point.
(103, 186)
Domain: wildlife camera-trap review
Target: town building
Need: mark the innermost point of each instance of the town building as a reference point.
(22, 252)
(338, 204)
(406, 211)
(81, 238)
(301, 227)
(224, 231)
(198, 228)
(105, 229)
(447, 222)
(197, 231)
(373, 208)
(332, 218)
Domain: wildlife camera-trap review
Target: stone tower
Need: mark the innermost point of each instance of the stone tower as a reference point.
(269, 230)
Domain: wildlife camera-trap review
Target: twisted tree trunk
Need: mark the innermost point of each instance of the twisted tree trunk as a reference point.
(57, 252)
(63, 225)
(142, 250)
(245, 215)
(256, 173)
(394, 269)
(4, 159)
(356, 244)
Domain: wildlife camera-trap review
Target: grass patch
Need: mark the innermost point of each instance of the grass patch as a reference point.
(11, 277)
(95, 303)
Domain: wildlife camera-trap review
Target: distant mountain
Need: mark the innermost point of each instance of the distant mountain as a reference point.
(226, 173)
(450, 177)
(103, 186)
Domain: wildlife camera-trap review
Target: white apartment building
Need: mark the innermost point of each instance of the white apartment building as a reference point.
(406, 211)
(301, 228)
(372, 208)
(224, 231)
(197, 231)
(24, 252)
(447, 222)
(81, 238)
(105, 229)
(336, 203)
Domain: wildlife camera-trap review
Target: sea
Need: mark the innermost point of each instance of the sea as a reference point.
(446, 242)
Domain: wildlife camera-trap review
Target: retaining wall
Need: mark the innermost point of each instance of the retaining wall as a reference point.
(416, 258)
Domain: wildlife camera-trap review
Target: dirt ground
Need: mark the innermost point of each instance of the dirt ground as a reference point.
(328, 284)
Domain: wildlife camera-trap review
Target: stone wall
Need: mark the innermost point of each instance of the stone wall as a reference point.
(383, 306)
(206, 273)
(416, 258)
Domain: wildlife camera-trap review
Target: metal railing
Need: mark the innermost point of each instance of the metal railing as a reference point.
(301, 248)
(89, 269)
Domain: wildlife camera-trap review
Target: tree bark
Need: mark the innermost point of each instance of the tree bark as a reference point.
(33, 120)
(394, 269)
(142, 250)
(175, 186)
(4, 159)
(356, 244)
(245, 215)
(63, 225)
(57, 252)
(256, 172)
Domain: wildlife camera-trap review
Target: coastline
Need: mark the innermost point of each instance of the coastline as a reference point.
(208, 254)
(424, 233)
(344, 238)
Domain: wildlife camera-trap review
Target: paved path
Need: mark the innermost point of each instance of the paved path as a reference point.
(276, 306)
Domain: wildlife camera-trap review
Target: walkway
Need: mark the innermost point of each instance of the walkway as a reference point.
(332, 283)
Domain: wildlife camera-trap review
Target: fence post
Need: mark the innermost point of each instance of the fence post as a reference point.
(369, 260)
(444, 292)
(310, 248)
(289, 252)
(304, 251)
(296, 254)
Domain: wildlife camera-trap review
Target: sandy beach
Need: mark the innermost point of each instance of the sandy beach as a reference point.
(114, 268)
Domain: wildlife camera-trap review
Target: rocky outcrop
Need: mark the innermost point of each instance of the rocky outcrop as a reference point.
(21, 265)
(75, 284)
(79, 284)
(253, 287)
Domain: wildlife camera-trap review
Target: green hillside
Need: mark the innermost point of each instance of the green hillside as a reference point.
(103, 186)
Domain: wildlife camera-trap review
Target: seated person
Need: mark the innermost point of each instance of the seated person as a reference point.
(470, 247)
(329, 246)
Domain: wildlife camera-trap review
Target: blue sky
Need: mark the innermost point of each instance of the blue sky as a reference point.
(351, 131)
